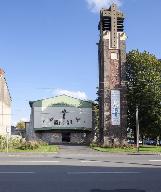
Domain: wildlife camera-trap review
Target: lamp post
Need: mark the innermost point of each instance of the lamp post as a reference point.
(7, 138)
(137, 127)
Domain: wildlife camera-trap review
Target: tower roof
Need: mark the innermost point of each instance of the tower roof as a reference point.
(1, 72)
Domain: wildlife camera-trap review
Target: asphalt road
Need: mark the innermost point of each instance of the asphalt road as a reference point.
(79, 169)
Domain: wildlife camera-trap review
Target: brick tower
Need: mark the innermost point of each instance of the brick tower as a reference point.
(112, 89)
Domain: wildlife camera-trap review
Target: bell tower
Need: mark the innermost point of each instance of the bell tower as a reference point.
(112, 77)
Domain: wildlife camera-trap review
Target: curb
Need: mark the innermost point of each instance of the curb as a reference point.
(3, 154)
(126, 153)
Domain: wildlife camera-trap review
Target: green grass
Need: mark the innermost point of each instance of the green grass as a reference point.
(143, 149)
(41, 149)
(151, 149)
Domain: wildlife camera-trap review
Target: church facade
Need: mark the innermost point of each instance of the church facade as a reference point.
(61, 119)
(5, 106)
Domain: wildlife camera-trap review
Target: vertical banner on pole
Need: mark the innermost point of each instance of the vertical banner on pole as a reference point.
(115, 107)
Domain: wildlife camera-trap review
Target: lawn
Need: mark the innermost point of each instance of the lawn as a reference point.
(41, 149)
(142, 149)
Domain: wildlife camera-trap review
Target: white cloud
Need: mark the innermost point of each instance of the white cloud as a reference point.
(14, 123)
(96, 5)
(24, 119)
(76, 94)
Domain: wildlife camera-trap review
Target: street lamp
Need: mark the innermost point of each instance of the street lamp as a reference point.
(137, 127)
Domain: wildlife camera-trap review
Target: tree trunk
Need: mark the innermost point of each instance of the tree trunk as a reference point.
(135, 137)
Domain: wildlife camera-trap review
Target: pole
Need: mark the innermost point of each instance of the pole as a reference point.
(137, 127)
(7, 142)
(7, 139)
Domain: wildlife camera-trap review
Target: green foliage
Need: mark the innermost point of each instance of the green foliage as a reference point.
(20, 125)
(93, 145)
(129, 149)
(116, 149)
(13, 141)
(42, 143)
(143, 72)
(16, 142)
(32, 145)
(3, 142)
(29, 145)
(96, 120)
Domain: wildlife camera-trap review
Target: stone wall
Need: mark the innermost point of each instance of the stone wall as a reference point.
(50, 137)
(81, 138)
(56, 137)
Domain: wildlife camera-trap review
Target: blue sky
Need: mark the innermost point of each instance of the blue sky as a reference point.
(49, 47)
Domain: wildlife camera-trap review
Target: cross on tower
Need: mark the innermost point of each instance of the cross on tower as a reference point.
(112, 20)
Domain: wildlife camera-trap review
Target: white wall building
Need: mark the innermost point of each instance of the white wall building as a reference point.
(5, 106)
(61, 119)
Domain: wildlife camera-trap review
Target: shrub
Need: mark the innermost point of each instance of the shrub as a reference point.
(93, 145)
(3, 142)
(15, 141)
(42, 143)
(29, 145)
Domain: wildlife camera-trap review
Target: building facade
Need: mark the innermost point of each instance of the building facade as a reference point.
(61, 119)
(5, 106)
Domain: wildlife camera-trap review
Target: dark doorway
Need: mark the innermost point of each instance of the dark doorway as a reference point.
(66, 137)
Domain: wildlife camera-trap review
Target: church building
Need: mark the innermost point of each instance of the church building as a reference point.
(5, 106)
(61, 119)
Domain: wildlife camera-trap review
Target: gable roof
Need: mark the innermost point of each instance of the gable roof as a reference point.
(61, 100)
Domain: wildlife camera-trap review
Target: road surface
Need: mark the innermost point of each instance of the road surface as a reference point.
(79, 169)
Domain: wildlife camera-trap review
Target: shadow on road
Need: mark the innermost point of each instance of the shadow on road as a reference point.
(63, 178)
(104, 161)
(118, 190)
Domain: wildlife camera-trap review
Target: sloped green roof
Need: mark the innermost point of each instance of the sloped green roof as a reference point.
(61, 100)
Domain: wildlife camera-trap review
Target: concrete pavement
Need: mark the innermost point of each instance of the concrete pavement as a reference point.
(81, 156)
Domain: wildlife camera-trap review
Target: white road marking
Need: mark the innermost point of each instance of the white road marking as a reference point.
(15, 172)
(108, 172)
(159, 160)
(32, 161)
(37, 161)
(90, 161)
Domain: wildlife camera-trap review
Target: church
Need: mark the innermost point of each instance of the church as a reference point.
(61, 119)
(5, 106)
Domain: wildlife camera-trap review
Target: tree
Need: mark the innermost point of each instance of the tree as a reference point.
(143, 71)
(96, 117)
(20, 125)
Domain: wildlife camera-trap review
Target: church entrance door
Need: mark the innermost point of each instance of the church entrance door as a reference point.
(66, 137)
